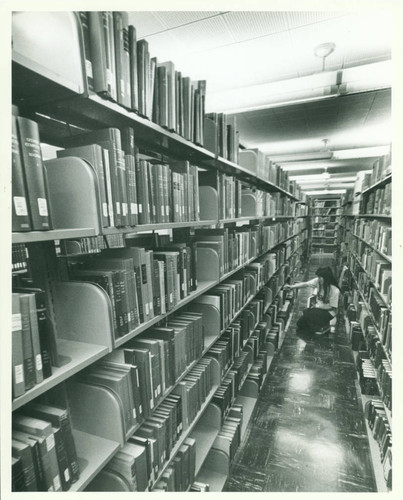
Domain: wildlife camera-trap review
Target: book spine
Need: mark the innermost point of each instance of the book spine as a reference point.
(110, 50)
(85, 25)
(20, 216)
(131, 189)
(134, 89)
(36, 348)
(108, 185)
(43, 333)
(62, 461)
(121, 33)
(17, 349)
(29, 362)
(122, 182)
(28, 132)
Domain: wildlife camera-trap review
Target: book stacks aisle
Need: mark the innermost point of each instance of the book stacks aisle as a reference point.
(161, 217)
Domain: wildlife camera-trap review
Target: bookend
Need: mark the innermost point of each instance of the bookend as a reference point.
(208, 264)
(83, 312)
(87, 400)
(211, 319)
(249, 204)
(208, 197)
(73, 194)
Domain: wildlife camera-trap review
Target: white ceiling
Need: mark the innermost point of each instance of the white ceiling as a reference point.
(243, 49)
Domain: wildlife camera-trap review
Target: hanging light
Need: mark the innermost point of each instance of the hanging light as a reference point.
(324, 50)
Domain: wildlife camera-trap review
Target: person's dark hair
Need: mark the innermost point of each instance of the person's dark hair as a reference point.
(328, 279)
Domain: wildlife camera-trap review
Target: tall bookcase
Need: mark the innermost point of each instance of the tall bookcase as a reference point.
(325, 222)
(81, 313)
(367, 261)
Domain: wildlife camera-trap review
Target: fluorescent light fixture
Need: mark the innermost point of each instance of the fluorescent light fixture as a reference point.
(323, 85)
(346, 154)
(319, 178)
(301, 166)
(320, 155)
(326, 191)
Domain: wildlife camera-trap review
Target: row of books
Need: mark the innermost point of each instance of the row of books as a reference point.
(31, 340)
(261, 165)
(133, 190)
(120, 67)
(141, 283)
(382, 366)
(228, 190)
(374, 313)
(221, 135)
(258, 203)
(382, 433)
(44, 456)
(375, 233)
(371, 269)
(19, 257)
(319, 203)
(30, 200)
(193, 389)
(380, 169)
(366, 375)
(229, 436)
(87, 245)
(378, 201)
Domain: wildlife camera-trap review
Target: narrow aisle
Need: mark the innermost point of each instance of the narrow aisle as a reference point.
(307, 432)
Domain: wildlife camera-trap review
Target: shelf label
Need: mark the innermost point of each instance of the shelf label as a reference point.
(105, 209)
(38, 362)
(124, 209)
(43, 207)
(140, 205)
(118, 208)
(19, 374)
(88, 68)
(20, 205)
(66, 475)
(50, 442)
(16, 322)
(56, 483)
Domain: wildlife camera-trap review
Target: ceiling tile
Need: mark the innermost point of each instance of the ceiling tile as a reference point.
(203, 35)
(303, 18)
(251, 24)
(145, 23)
(172, 18)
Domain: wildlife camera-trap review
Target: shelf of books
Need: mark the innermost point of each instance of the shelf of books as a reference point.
(149, 259)
(368, 318)
(325, 220)
(56, 234)
(76, 355)
(380, 466)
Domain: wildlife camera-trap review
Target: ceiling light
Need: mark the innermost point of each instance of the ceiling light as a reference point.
(346, 154)
(323, 50)
(326, 191)
(320, 155)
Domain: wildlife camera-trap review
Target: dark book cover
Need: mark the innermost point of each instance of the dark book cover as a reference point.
(17, 475)
(134, 88)
(20, 216)
(85, 26)
(28, 134)
(24, 452)
(122, 57)
(102, 53)
(62, 459)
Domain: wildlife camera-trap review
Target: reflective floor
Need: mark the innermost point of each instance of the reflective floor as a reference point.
(307, 432)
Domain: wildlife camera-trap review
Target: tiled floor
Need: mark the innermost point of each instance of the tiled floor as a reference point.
(307, 432)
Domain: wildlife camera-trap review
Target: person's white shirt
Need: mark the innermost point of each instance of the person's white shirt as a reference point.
(334, 294)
